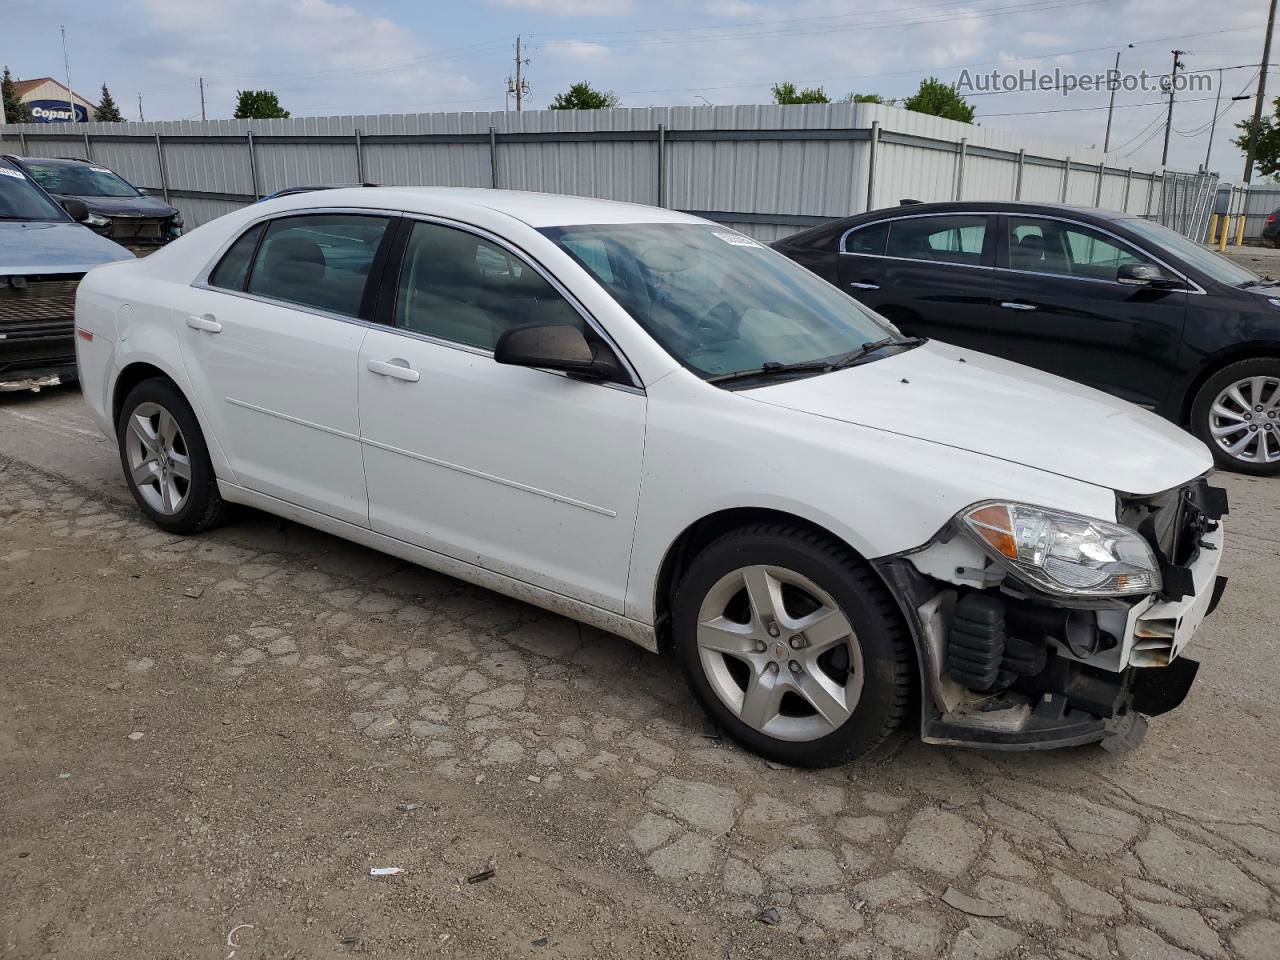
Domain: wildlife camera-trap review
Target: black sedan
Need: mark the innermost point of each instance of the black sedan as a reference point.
(1271, 228)
(117, 209)
(1113, 301)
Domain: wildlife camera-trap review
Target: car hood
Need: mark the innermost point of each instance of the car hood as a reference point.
(30, 247)
(975, 402)
(126, 206)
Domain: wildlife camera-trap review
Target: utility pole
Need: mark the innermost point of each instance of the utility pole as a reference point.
(202, 116)
(518, 87)
(66, 65)
(140, 116)
(1262, 86)
(1115, 82)
(1168, 123)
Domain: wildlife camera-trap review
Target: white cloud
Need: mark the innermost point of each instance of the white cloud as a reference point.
(735, 9)
(576, 50)
(321, 57)
(1036, 38)
(570, 8)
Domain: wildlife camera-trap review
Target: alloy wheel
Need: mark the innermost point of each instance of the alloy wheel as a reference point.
(1245, 420)
(779, 652)
(159, 462)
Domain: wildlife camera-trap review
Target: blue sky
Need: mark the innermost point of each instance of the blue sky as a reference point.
(330, 57)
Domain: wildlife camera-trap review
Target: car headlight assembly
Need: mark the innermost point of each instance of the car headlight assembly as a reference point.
(1062, 553)
(96, 220)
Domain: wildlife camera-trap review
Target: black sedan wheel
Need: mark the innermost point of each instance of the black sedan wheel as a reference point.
(1237, 413)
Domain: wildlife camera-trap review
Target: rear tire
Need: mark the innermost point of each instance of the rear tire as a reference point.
(1237, 414)
(792, 645)
(165, 460)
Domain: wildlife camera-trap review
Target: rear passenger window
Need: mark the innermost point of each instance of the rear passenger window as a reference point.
(459, 287)
(869, 240)
(954, 239)
(233, 269)
(320, 260)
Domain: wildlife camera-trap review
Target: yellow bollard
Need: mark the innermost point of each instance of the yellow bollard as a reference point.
(1240, 232)
(1226, 229)
(1213, 228)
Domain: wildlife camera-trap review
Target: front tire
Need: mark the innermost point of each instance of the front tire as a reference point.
(1237, 414)
(792, 645)
(165, 460)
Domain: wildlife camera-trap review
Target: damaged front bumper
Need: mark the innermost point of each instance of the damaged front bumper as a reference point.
(1005, 669)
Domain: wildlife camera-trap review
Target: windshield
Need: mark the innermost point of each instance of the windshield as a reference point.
(1202, 258)
(79, 180)
(717, 301)
(20, 199)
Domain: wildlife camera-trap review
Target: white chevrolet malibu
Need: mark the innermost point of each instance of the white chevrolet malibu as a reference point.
(659, 426)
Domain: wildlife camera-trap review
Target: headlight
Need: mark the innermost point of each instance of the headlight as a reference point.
(96, 220)
(1063, 553)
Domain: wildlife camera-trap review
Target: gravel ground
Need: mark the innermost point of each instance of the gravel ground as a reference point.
(198, 735)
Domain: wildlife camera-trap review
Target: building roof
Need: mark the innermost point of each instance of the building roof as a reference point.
(22, 87)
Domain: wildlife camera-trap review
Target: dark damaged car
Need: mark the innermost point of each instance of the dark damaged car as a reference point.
(44, 253)
(117, 209)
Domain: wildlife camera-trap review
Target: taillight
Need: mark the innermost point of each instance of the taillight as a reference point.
(1271, 218)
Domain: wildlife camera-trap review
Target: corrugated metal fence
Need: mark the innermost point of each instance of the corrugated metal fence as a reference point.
(766, 170)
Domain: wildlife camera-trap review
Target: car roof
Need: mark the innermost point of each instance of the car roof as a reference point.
(65, 161)
(534, 209)
(997, 206)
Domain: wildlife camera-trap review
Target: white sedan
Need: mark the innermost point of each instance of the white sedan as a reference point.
(661, 427)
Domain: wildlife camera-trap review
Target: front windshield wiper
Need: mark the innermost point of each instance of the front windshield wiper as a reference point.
(853, 356)
(1260, 282)
(774, 369)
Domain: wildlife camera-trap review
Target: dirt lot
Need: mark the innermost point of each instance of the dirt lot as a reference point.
(198, 735)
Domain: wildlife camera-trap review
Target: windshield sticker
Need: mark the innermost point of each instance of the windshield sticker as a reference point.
(7, 172)
(99, 169)
(737, 239)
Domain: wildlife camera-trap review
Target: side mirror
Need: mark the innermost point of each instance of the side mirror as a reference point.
(1137, 273)
(556, 346)
(1145, 275)
(76, 208)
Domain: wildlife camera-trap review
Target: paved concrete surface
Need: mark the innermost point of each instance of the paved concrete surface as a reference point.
(309, 709)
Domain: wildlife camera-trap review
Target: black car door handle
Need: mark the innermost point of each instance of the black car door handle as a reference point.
(865, 286)
(1015, 305)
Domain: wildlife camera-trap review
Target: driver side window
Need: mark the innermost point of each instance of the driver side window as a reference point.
(459, 287)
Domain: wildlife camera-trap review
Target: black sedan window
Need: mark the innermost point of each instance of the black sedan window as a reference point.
(949, 239)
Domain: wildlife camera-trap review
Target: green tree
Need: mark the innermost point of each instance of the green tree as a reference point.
(258, 105)
(786, 92)
(941, 100)
(15, 111)
(583, 96)
(107, 111)
(1266, 151)
(862, 98)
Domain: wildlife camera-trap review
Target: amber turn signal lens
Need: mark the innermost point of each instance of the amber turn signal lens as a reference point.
(994, 525)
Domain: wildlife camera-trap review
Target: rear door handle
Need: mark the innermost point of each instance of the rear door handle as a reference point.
(1014, 305)
(865, 286)
(205, 323)
(397, 368)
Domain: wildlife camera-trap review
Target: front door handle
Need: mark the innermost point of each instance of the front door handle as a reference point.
(865, 286)
(1015, 305)
(205, 323)
(397, 368)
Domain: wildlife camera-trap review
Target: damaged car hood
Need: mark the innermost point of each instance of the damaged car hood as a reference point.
(976, 402)
(46, 246)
